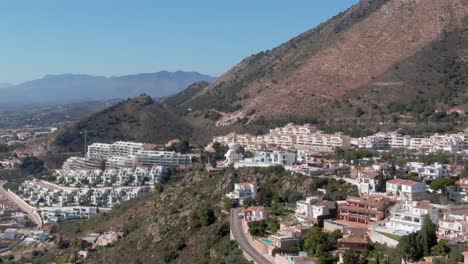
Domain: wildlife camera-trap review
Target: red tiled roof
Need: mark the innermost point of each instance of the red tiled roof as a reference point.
(395, 181)
(254, 208)
(246, 183)
(408, 183)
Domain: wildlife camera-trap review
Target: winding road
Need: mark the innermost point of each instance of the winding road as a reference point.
(29, 210)
(242, 238)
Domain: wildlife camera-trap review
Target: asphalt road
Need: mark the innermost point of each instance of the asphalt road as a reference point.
(28, 210)
(243, 240)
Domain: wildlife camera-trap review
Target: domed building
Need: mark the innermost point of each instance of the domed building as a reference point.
(233, 155)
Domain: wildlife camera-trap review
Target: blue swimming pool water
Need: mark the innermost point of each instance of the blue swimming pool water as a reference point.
(400, 232)
(266, 240)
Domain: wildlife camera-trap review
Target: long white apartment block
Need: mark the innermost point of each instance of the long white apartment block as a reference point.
(168, 158)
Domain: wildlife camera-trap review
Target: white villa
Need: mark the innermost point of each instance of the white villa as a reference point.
(310, 209)
(255, 213)
(454, 224)
(243, 191)
(367, 181)
(405, 189)
(409, 216)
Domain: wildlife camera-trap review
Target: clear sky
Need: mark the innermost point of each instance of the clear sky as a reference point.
(118, 37)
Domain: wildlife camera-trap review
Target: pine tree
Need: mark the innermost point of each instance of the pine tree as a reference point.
(427, 236)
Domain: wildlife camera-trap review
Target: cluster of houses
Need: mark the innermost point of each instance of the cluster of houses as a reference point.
(20, 135)
(62, 203)
(375, 216)
(306, 136)
(111, 177)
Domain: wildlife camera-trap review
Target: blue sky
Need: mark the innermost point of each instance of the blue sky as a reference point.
(118, 37)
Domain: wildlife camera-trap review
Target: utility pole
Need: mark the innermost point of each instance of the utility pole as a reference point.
(85, 150)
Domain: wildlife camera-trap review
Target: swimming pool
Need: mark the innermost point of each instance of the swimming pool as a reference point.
(400, 232)
(267, 241)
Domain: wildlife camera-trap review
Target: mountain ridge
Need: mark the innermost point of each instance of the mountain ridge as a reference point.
(345, 54)
(63, 88)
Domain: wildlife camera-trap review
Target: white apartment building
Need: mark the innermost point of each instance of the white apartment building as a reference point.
(420, 143)
(310, 209)
(450, 142)
(99, 151)
(268, 158)
(398, 141)
(165, 158)
(409, 216)
(405, 189)
(120, 162)
(125, 149)
(243, 191)
(321, 140)
(393, 140)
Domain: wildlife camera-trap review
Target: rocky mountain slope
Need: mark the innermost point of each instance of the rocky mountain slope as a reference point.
(78, 87)
(377, 52)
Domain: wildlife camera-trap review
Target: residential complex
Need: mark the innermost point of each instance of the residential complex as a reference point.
(125, 155)
(393, 140)
(308, 137)
(298, 136)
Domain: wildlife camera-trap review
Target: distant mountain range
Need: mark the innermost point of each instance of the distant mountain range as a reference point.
(66, 88)
(5, 85)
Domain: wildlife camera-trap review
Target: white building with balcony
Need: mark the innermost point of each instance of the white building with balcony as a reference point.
(409, 216)
(268, 158)
(311, 209)
(165, 158)
(405, 189)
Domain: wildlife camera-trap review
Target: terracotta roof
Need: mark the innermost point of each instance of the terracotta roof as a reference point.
(424, 205)
(246, 183)
(355, 238)
(370, 174)
(408, 183)
(360, 210)
(369, 200)
(395, 181)
(254, 208)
